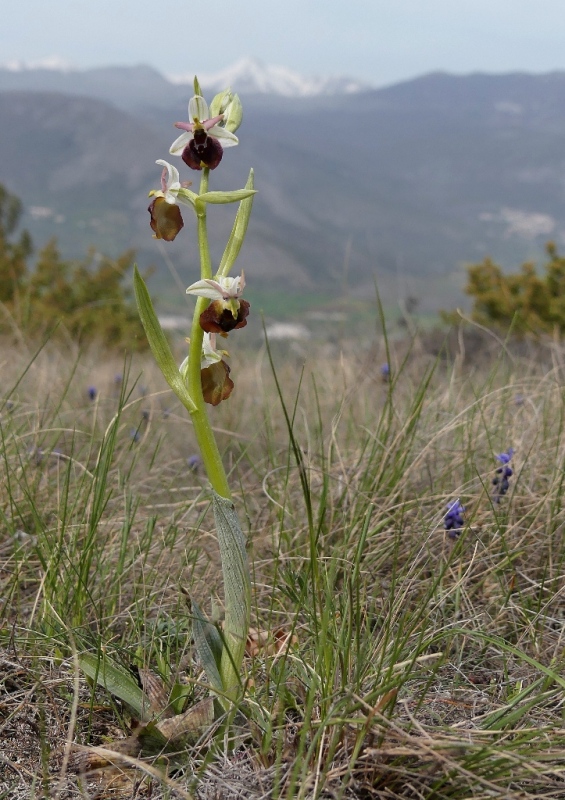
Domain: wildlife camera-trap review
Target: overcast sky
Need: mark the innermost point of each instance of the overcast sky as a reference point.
(380, 41)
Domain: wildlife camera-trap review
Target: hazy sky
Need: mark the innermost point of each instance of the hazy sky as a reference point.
(380, 41)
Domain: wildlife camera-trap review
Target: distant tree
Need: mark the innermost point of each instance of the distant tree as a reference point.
(13, 254)
(528, 302)
(90, 298)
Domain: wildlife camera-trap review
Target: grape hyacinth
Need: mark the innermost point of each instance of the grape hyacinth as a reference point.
(194, 463)
(453, 521)
(501, 481)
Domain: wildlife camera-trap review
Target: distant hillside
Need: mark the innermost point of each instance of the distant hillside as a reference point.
(406, 182)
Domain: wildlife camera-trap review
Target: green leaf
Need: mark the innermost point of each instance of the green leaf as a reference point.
(208, 644)
(237, 590)
(197, 89)
(179, 694)
(238, 231)
(188, 196)
(226, 197)
(158, 342)
(117, 681)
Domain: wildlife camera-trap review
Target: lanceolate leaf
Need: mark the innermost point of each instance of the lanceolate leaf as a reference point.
(158, 342)
(237, 590)
(208, 644)
(117, 681)
(238, 231)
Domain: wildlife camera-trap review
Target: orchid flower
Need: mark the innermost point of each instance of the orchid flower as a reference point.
(166, 219)
(228, 310)
(203, 140)
(214, 372)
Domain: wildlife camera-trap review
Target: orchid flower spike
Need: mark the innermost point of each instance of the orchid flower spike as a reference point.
(202, 142)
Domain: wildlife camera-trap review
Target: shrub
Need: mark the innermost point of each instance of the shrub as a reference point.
(88, 298)
(526, 301)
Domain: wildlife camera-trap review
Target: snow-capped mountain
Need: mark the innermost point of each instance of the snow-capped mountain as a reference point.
(54, 63)
(249, 76)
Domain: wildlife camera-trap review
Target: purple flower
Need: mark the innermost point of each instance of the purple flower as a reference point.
(385, 371)
(194, 463)
(92, 392)
(453, 521)
(134, 435)
(501, 481)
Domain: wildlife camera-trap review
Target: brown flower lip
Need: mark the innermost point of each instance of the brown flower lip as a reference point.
(202, 150)
(218, 317)
(216, 383)
(166, 219)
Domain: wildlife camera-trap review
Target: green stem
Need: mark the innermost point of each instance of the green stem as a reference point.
(205, 260)
(235, 568)
(206, 440)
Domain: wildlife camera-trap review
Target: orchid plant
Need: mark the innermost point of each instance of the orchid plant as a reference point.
(204, 376)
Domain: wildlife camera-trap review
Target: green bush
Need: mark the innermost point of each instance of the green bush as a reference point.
(89, 299)
(526, 301)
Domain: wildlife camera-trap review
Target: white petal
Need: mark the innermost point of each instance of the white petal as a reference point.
(198, 109)
(227, 139)
(232, 287)
(171, 195)
(173, 176)
(179, 144)
(209, 354)
(206, 288)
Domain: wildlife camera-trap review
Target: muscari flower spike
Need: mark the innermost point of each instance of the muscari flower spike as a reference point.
(503, 473)
(203, 139)
(214, 372)
(166, 219)
(228, 310)
(453, 521)
(194, 463)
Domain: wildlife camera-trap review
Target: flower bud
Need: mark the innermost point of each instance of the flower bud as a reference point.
(229, 105)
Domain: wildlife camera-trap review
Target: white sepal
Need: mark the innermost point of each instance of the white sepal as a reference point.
(198, 109)
(179, 144)
(226, 138)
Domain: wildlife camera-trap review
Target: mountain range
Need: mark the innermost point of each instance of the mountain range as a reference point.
(406, 183)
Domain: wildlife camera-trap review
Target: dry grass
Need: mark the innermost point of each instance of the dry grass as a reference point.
(412, 666)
